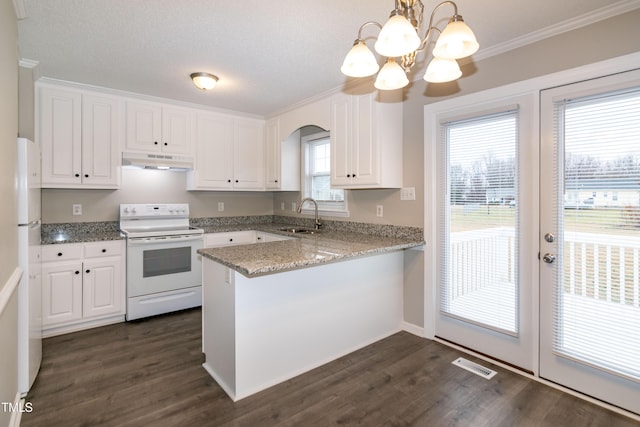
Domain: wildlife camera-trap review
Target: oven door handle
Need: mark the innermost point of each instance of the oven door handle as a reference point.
(141, 241)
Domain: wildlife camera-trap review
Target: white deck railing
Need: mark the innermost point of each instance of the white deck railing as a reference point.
(481, 258)
(600, 266)
(603, 266)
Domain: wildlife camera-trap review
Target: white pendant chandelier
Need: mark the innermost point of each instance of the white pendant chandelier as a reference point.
(399, 38)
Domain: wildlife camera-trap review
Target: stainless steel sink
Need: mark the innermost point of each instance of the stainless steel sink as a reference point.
(298, 230)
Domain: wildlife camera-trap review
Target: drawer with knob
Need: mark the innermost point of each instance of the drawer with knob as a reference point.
(103, 248)
(62, 252)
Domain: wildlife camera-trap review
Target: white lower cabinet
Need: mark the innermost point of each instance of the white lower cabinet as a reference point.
(83, 286)
(231, 238)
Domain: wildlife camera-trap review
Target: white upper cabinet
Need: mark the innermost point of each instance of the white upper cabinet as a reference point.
(153, 128)
(80, 133)
(248, 154)
(282, 159)
(366, 140)
(229, 154)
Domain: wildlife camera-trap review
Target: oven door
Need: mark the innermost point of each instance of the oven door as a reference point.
(165, 263)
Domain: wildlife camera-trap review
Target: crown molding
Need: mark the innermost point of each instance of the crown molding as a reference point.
(580, 21)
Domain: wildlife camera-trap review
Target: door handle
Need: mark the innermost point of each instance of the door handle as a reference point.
(548, 258)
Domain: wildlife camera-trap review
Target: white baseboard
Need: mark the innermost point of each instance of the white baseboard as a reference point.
(65, 329)
(413, 329)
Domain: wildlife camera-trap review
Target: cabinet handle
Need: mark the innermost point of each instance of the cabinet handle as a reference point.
(166, 144)
(87, 271)
(228, 180)
(104, 250)
(276, 180)
(236, 180)
(231, 240)
(77, 175)
(354, 175)
(155, 142)
(59, 253)
(348, 175)
(77, 272)
(86, 175)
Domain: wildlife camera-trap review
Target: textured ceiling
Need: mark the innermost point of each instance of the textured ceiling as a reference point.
(268, 54)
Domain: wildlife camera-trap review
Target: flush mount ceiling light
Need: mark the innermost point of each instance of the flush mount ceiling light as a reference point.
(399, 38)
(204, 81)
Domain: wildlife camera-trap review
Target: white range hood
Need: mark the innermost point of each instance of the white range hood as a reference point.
(157, 161)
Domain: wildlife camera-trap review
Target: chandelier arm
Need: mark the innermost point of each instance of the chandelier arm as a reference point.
(366, 24)
(431, 27)
(423, 45)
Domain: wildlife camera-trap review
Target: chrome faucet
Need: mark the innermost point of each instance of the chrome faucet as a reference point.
(318, 224)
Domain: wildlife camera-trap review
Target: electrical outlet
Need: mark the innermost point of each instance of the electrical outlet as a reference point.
(220, 206)
(77, 209)
(294, 207)
(281, 206)
(379, 210)
(408, 193)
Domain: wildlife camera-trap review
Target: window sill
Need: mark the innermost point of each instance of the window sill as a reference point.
(326, 213)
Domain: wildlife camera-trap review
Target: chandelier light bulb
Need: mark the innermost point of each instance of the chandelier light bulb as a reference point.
(456, 41)
(360, 61)
(397, 38)
(442, 70)
(391, 77)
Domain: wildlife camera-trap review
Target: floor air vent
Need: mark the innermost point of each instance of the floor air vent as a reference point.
(470, 366)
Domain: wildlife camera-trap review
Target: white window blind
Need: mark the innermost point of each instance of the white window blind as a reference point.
(479, 225)
(597, 279)
(317, 173)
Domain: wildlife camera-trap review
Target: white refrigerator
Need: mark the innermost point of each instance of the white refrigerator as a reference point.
(29, 259)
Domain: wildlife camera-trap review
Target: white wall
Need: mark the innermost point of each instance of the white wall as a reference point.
(8, 211)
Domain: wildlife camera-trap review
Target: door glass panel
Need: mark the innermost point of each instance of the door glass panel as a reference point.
(597, 294)
(159, 262)
(480, 211)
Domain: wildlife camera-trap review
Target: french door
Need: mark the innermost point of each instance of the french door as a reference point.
(590, 238)
(486, 224)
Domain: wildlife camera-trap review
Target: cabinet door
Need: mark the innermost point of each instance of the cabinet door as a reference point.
(214, 153)
(61, 292)
(144, 126)
(273, 155)
(102, 288)
(101, 118)
(230, 238)
(177, 130)
(248, 154)
(364, 160)
(341, 141)
(60, 136)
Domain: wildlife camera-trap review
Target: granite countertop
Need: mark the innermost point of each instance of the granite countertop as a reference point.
(305, 250)
(80, 232)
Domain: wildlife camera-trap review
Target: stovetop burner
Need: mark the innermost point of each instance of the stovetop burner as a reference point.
(145, 220)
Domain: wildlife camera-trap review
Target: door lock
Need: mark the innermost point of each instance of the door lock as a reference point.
(550, 238)
(548, 258)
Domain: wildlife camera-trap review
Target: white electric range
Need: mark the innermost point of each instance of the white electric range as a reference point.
(164, 271)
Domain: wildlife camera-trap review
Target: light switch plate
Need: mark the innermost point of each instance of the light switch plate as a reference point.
(379, 210)
(408, 193)
(220, 206)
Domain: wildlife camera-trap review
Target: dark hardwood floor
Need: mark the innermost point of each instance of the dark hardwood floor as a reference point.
(149, 373)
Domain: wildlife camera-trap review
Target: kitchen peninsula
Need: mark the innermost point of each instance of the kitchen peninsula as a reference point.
(274, 310)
